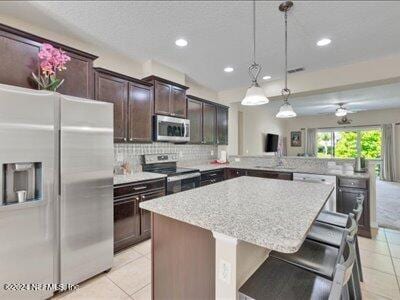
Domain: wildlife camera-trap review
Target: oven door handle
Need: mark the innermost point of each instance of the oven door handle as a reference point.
(182, 177)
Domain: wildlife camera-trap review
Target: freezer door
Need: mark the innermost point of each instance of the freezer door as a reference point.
(27, 235)
(86, 181)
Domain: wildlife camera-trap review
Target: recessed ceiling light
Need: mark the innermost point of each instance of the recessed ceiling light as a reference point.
(181, 43)
(228, 69)
(267, 77)
(323, 42)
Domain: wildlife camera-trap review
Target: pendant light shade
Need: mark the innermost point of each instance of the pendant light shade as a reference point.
(286, 110)
(255, 94)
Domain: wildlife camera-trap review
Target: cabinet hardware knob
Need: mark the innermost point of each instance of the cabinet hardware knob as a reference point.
(143, 197)
(124, 139)
(131, 139)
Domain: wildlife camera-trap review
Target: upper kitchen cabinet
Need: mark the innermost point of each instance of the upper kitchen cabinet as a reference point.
(133, 105)
(18, 54)
(169, 97)
(222, 125)
(208, 121)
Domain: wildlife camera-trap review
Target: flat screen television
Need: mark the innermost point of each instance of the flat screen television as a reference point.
(271, 142)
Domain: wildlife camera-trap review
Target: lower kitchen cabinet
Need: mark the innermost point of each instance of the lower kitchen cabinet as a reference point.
(270, 174)
(213, 176)
(131, 223)
(347, 201)
(233, 173)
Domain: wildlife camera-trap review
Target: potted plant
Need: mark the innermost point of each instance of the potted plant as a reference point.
(52, 60)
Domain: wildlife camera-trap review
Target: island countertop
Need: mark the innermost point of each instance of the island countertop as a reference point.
(275, 214)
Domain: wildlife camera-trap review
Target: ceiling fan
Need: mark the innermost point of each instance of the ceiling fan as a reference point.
(341, 110)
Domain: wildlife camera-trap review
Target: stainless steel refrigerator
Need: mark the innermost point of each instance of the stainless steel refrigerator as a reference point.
(56, 185)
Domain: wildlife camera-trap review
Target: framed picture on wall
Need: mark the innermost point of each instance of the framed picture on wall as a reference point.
(295, 139)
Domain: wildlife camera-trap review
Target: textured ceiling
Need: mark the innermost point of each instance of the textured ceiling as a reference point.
(219, 32)
(369, 98)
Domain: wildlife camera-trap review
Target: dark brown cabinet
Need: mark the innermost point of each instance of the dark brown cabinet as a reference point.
(208, 121)
(133, 102)
(213, 176)
(346, 201)
(195, 115)
(169, 97)
(270, 174)
(131, 223)
(233, 173)
(222, 125)
(126, 222)
(18, 56)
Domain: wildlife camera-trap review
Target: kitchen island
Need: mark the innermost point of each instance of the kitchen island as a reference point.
(207, 241)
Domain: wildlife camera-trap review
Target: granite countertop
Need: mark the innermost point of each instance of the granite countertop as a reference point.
(310, 170)
(266, 212)
(136, 176)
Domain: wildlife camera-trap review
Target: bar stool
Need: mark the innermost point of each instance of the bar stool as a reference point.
(277, 279)
(331, 234)
(321, 258)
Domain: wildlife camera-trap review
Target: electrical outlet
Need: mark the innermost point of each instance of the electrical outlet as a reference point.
(180, 154)
(120, 157)
(212, 152)
(225, 269)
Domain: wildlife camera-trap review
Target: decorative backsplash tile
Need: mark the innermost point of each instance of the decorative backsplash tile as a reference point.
(133, 153)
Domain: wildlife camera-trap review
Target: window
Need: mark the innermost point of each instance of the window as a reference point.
(349, 143)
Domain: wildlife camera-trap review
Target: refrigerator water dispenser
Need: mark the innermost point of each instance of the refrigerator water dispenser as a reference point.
(22, 182)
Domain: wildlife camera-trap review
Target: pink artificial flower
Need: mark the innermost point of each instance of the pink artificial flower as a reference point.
(52, 59)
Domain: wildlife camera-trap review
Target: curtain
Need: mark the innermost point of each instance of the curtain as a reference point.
(311, 137)
(388, 159)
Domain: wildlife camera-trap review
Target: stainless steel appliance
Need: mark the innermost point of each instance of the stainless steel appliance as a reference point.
(178, 179)
(359, 166)
(59, 150)
(170, 129)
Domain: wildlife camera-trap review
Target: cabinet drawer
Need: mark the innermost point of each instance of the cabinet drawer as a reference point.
(139, 187)
(214, 174)
(353, 183)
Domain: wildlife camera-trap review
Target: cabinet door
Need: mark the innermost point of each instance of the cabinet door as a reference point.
(233, 173)
(209, 123)
(195, 115)
(140, 113)
(222, 125)
(126, 222)
(145, 215)
(78, 77)
(114, 90)
(178, 102)
(347, 201)
(162, 93)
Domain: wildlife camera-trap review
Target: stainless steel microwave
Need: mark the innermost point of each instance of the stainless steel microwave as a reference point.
(170, 129)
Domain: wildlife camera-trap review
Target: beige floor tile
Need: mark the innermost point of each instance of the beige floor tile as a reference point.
(396, 263)
(125, 257)
(380, 283)
(97, 288)
(376, 261)
(393, 237)
(380, 235)
(371, 296)
(373, 246)
(394, 250)
(133, 276)
(143, 247)
(143, 294)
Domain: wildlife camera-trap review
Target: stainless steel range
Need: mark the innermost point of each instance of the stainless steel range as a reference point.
(178, 179)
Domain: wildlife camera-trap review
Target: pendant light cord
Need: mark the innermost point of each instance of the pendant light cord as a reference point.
(254, 31)
(286, 91)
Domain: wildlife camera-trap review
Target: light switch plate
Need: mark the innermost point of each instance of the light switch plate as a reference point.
(225, 269)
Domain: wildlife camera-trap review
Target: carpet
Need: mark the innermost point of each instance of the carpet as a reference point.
(388, 204)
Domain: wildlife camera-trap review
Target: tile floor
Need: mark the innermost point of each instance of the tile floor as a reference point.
(130, 277)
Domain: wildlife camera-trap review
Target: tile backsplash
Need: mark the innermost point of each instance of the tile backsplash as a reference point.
(133, 153)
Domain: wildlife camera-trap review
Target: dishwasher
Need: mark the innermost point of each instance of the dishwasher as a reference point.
(326, 179)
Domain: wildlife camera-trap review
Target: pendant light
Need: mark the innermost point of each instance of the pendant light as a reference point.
(286, 110)
(255, 94)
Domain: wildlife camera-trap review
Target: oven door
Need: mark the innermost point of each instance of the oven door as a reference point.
(172, 129)
(180, 183)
